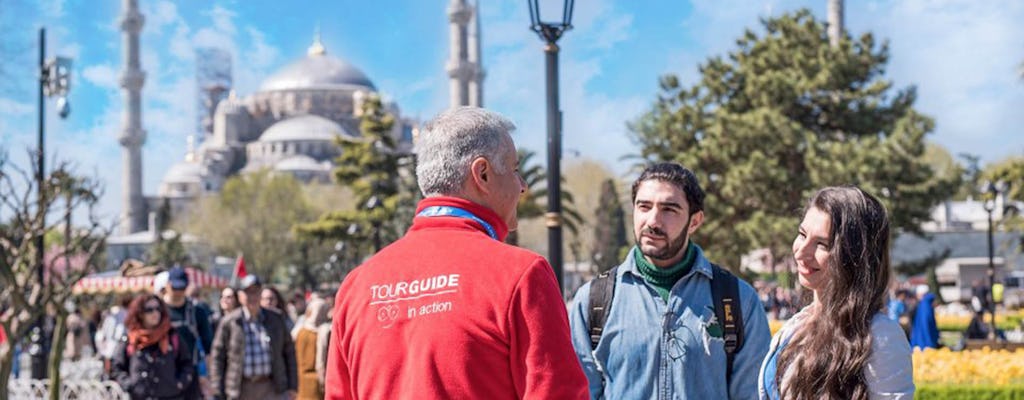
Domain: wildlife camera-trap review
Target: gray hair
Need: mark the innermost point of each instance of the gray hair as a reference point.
(451, 141)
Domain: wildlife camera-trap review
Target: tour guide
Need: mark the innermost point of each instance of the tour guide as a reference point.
(450, 311)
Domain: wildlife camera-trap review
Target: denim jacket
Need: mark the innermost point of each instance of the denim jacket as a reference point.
(651, 349)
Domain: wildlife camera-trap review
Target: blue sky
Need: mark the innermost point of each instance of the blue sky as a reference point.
(961, 54)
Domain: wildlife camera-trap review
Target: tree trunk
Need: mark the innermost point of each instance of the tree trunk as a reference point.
(60, 333)
(6, 366)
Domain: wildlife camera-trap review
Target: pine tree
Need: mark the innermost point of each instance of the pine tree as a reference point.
(372, 168)
(781, 116)
(609, 228)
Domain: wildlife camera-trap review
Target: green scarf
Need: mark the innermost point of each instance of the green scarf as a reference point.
(664, 278)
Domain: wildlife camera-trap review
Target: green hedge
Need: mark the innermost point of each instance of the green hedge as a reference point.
(970, 392)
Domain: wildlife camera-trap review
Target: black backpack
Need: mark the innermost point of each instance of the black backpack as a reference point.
(724, 291)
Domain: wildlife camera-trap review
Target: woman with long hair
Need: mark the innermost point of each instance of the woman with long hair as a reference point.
(842, 345)
(228, 303)
(154, 363)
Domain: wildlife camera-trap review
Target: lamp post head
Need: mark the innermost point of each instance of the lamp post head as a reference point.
(63, 107)
(550, 31)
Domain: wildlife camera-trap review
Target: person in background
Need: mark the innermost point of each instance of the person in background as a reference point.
(78, 342)
(306, 350)
(323, 340)
(924, 333)
(271, 299)
(296, 309)
(253, 355)
(842, 345)
(153, 362)
(228, 303)
(897, 305)
(112, 331)
(192, 323)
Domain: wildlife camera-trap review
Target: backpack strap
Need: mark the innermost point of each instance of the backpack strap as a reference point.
(602, 290)
(726, 294)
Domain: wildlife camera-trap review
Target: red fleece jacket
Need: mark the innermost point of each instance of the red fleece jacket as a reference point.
(447, 312)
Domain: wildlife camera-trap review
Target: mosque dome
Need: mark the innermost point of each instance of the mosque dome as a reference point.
(304, 128)
(301, 163)
(184, 172)
(317, 71)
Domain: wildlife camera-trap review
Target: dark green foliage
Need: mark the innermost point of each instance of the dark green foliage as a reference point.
(781, 116)
(609, 228)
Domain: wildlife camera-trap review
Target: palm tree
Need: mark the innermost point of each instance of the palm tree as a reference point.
(533, 203)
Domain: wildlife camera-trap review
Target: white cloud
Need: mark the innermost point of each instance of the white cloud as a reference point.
(160, 14)
(223, 19)
(14, 108)
(962, 56)
(101, 75)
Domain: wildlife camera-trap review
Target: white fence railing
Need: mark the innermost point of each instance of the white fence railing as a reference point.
(31, 389)
(80, 380)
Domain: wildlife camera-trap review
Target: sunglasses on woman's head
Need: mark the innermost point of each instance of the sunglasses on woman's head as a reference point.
(147, 310)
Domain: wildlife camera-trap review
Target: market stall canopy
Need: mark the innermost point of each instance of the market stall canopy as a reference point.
(115, 282)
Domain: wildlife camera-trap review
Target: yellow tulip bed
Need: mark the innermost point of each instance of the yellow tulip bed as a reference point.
(1005, 321)
(976, 374)
(942, 366)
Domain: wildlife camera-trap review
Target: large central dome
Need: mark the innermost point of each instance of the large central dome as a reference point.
(318, 71)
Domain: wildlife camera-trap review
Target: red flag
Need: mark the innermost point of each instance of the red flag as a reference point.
(240, 267)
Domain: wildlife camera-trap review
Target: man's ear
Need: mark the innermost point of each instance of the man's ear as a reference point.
(480, 168)
(696, 220)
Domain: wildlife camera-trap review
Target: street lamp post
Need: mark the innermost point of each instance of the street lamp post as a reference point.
(550, 32)
(54, 80)
(993, 189)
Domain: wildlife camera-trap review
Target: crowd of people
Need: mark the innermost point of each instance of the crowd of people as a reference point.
(170, 344)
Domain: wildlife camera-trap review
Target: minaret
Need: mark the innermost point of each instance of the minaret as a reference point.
(835, 22)
(476, 82)
(133, 215)
(459, 70)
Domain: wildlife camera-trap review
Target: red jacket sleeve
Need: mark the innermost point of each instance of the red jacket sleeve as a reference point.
(543, 362)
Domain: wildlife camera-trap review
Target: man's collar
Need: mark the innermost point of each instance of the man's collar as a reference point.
(700, 264)
(479, 210)
(248, 316)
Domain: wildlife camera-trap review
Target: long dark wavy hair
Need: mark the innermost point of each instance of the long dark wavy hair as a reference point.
(825, 358)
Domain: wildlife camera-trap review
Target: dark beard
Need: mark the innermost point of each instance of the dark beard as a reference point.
(673, 248)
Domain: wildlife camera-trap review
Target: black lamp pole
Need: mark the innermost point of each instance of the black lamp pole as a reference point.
(994, 190)
(550, 32)
(54, 80)
(39, 349)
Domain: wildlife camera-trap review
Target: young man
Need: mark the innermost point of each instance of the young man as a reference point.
(191, 321)
(661, 337)
(450, 311)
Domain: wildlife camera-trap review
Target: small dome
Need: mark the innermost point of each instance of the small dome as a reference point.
(304, 128)
(184, 172)
(300, 163)
(318, 71)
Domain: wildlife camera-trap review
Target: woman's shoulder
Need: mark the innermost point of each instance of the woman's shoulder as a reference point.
(884, 327)
(888, 340)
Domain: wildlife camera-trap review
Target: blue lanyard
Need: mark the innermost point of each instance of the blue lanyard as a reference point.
(447, 211)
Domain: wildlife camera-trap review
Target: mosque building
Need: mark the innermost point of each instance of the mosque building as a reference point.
(290, 125)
